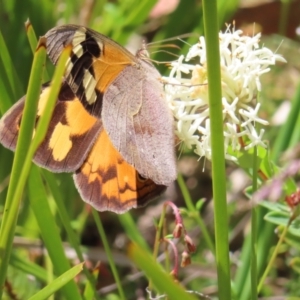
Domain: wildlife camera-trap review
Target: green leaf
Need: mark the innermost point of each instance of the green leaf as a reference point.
(199, 204)
(33, 42)
(57, 283)
(278, 218)
(295, 264)
(19, 172)
(14, 84)
(162, 281)
(275, 206)
(89, 291)
(49, 231)
(66, 221)
(245, 158)
(28, 267)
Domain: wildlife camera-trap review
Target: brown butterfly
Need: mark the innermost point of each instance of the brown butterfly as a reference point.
(111, 125)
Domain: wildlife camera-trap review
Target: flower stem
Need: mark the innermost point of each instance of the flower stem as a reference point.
(271, 261)
(195, 213)
(157, 239)
(254, 232)
(108, 253)
(217, 141)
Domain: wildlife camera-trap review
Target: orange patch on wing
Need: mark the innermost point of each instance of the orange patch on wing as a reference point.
(108, 182)
(109, 65)
(78, 122)
(114, 55)
(115, 176)
(78, 118)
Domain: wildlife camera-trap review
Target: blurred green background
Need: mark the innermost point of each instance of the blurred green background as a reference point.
(129, 22)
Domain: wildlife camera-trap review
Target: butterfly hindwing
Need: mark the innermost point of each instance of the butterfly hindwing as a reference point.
(125, 92)
(108, 182)
(77, 142)
(111, 125)
(10, 125)
(71, 132)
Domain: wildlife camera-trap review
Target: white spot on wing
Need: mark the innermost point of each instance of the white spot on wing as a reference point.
(78, 38)
(89, 84)
(78, 50)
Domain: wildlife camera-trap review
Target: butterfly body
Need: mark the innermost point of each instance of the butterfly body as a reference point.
(111, 125)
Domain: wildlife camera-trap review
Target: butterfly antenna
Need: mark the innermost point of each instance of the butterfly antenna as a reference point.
(179, 37)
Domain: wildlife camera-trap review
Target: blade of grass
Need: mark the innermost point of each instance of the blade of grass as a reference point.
(132, 231)
(49, 268)
(98, 9)
(211, 29)
(73, 238)
(28, 267)
(13, 79)
(33, 42)
(24, 155)
(162, 281)
(158, 238)
(6, 162)
(89, 290)
(226, 9)
(13, 199)
(195, 213)
(49, 231)
(31, 36)
(254, 231)
(276, 251)
(6, 98)
(57, 283)
(287, 129)
(191, 24)
(134, 16)
(140, 13)
(108, 253)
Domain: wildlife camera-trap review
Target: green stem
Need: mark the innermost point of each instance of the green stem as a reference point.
(26, 148)
(273, 257)
(108, 253)
(33, 42)
(195, 213)
(254, 232)
(287, 130)
(157, 239)
(13, 199)
(158, 232)
(65, 219)
(217, 142)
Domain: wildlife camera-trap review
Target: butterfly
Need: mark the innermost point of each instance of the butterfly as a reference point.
(111, 126)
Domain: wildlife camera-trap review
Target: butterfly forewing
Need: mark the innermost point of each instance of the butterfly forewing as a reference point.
(127, 91)
(70, 135)
(94, 62)
(111, 125)
(106, 173)
(139, 123)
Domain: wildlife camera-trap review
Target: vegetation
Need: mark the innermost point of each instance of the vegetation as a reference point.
(47, 232)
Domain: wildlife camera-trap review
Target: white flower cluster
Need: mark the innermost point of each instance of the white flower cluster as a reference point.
(242, 64)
